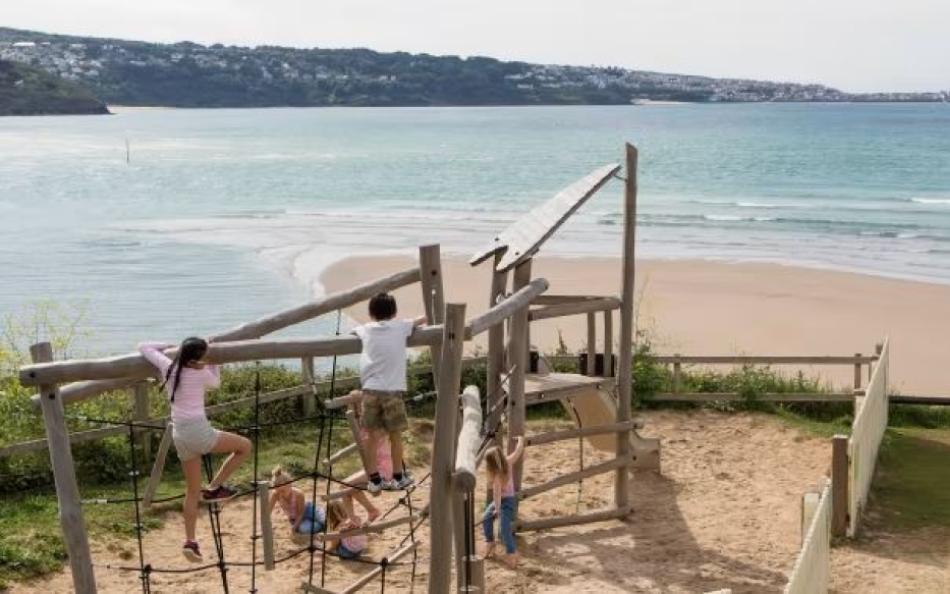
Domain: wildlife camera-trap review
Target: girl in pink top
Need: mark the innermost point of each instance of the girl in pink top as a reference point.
(339, 519)
(504, 502)
(186, 378)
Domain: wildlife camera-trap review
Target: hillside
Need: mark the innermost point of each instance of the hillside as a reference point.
(192, 75)
(27, 90)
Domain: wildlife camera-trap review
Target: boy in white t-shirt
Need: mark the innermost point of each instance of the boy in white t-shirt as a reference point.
(383, 381)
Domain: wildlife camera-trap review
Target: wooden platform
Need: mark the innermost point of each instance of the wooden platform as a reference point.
(557, 386)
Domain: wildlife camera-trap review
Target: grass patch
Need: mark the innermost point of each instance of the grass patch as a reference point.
(912, 487)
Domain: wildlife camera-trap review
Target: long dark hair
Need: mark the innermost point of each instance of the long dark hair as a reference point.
(192, 349)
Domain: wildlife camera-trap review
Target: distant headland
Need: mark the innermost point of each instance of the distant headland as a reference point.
(191, 75)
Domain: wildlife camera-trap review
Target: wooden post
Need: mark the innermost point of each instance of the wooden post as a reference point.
(158, 466)
(64, 475)
(141, 413)
(839, 485)
(267, 529)
(625, 371)
(443, 450)
(433, 296)
(495, 364)
(591, 344)
(677, 375)
(609, 343)
(477, 575)
(355, 433)
(857, 373)
(307, 374)
(518, 362)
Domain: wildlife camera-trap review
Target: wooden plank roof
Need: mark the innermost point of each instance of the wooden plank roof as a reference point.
(522, 239)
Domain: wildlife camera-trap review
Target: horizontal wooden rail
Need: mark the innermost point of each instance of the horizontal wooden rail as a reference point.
(335, 301)
(573, 477)
(341, 453)
(767, 397)
(553, 436)
(574, 308)
(373, 528)
(559, 299)
(764, 359)
(505, 309)
(134, 364)
(36, 445)
(573, 520)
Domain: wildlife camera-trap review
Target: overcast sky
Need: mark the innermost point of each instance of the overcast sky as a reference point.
(855, 45)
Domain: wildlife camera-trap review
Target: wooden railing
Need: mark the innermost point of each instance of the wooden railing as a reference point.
(811, 572)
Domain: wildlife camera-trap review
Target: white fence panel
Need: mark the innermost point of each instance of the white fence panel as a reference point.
(870, 421)
(812, 569)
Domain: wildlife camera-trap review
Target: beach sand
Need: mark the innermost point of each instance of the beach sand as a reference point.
(717, 308)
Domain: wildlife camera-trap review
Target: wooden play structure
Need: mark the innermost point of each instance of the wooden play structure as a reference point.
(466, 422)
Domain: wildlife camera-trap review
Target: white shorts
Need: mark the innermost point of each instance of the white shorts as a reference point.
(193, 438)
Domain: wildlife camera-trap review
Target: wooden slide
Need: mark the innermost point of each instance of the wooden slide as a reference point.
(596, 406)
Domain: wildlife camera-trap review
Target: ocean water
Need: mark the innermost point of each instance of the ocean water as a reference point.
(221, 216)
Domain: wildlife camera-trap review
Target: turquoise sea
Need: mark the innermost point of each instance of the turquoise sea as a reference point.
(224, 215)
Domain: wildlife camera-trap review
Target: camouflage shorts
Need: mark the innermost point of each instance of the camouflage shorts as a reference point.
(384, 411)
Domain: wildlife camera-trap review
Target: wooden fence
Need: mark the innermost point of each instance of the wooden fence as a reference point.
(812, 569)
(870, 421)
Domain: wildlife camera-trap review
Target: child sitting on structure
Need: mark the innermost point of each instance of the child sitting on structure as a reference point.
(504, 501)
(305, 517)
(186, 378)
(339, 520)
(383, 380)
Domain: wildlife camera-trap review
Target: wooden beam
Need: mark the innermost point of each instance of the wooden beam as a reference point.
(591, 344)
(495, 363)
(609, 370)
(341, 453)
(37, 445)
(266, 325)
(373, 528)
(446, 413)
(151, 487)
(267, 528)
(625, 372)
(763, 359)
(355, 433)
(522, 239)
(573, 520)
(433, 293)
(135, 365)
(141, 413)
(64, 476)
(553, 436)
(573, 477)
(518, 363)
(857, 372)
(308, 377)
(523, 294)
(735, 397)
(469, 440)
(560, 299)
(575, 308)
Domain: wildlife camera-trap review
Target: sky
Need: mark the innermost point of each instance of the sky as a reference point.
(854, 45)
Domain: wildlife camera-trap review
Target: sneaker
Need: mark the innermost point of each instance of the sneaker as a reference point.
(404, 482)
(222, 493)
(375, 487)
(191, 551)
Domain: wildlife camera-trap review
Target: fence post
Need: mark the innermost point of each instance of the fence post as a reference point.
(64, 475)
(141, 414)
(839, 485)
(495, 362)
(591, 344)
(857, 372)
(677, 370)
(307, 374)
(443, 450)
(518, 363)
(608, 343)
(433, 295)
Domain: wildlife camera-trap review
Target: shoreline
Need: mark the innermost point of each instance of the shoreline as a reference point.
(706, 307)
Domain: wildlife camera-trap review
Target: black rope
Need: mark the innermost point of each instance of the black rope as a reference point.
(214, 518)
(257, 443)
(382, 584)
(134, 476)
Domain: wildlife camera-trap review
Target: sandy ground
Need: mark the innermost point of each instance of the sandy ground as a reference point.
(916, 562)
(724, 514)
(710, 308)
